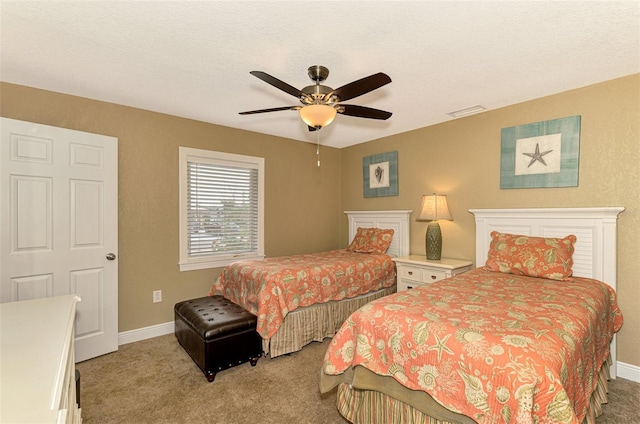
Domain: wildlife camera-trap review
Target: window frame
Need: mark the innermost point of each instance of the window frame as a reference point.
(188, 154)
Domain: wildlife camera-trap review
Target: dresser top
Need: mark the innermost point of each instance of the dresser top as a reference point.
(36, 338)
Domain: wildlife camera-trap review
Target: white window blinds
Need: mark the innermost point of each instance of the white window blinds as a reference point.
(222, 205)
(221, 211)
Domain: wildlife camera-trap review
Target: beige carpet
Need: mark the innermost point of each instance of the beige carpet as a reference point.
(155, 381)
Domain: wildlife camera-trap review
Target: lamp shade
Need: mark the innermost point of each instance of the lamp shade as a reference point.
(434, 207)
(317, 116)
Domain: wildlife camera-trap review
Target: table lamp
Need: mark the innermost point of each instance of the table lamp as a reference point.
(434, 207)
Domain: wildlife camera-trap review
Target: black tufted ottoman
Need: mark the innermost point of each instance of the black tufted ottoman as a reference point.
(217, 334)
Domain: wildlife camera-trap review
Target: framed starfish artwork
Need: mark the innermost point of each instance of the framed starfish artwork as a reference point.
(380, 174)
(542, 154)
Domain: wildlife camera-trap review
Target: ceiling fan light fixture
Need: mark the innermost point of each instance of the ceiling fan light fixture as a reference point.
(321, 103)
(317, 116)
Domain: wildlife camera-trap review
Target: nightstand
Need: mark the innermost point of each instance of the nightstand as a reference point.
(416, 270)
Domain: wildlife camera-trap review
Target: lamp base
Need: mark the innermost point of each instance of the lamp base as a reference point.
(433, 241)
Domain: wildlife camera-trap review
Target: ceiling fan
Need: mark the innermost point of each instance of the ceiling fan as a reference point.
(320, 103)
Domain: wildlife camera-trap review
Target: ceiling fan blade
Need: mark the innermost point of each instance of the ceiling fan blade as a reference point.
(361, 86)
(364, 112)
(278, 84)
(273, 109)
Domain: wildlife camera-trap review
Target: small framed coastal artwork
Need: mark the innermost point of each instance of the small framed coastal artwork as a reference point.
(380, 174)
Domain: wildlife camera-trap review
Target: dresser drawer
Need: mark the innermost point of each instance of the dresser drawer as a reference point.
(433, 275)
(412, 273)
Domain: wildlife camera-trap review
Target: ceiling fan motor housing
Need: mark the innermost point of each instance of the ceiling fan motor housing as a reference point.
(315, 94)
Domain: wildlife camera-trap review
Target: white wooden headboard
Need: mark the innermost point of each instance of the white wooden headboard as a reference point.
(397, 220)
(595, 230)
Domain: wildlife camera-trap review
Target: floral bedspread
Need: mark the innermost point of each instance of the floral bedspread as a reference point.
(273, 287)
(496, 347)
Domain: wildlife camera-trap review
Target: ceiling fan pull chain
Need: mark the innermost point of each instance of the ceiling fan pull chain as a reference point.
(318, 147)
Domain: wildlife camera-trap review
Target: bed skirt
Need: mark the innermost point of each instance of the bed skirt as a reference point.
(316, 322)
(364, 406)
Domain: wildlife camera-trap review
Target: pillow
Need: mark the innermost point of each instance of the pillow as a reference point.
(371, 240)
(542, 257)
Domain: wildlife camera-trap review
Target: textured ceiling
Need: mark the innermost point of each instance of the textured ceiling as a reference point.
(192, 58)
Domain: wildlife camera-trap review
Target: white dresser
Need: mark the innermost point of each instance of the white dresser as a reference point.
(416, 270)
(37, 367)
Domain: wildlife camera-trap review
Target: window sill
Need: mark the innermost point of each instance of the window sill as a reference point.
(209, 263)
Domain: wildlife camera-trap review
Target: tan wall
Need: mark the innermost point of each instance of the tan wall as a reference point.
(301, 200)
(461, 159)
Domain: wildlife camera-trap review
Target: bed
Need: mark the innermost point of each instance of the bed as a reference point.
(304, 298)
(491, 345)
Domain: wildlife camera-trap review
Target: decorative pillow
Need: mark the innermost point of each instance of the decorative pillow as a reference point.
(542, 257)
(371, 240)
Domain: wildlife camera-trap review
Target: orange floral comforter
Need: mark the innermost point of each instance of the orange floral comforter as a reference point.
(271, 288)
(496, 347)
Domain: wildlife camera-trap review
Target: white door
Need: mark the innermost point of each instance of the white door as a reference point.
(59, 225)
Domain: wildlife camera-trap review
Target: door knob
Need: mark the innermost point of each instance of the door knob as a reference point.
(111, 256)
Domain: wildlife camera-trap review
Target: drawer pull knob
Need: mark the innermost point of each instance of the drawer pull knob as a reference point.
(433, 277)
(410, 273)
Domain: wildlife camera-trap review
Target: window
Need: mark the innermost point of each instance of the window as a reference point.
(221, 208)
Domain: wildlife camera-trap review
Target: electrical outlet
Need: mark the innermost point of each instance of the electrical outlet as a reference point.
(157, 296)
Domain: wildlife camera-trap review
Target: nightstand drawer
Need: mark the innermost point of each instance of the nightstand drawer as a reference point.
(413, 273)
(408, 284)
(433, 275)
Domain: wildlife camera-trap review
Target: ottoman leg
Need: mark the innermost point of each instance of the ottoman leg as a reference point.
(210, 376)
(254, 361)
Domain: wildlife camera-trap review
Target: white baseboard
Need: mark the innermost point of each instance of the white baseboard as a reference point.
(628, 371)
(145, 333)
